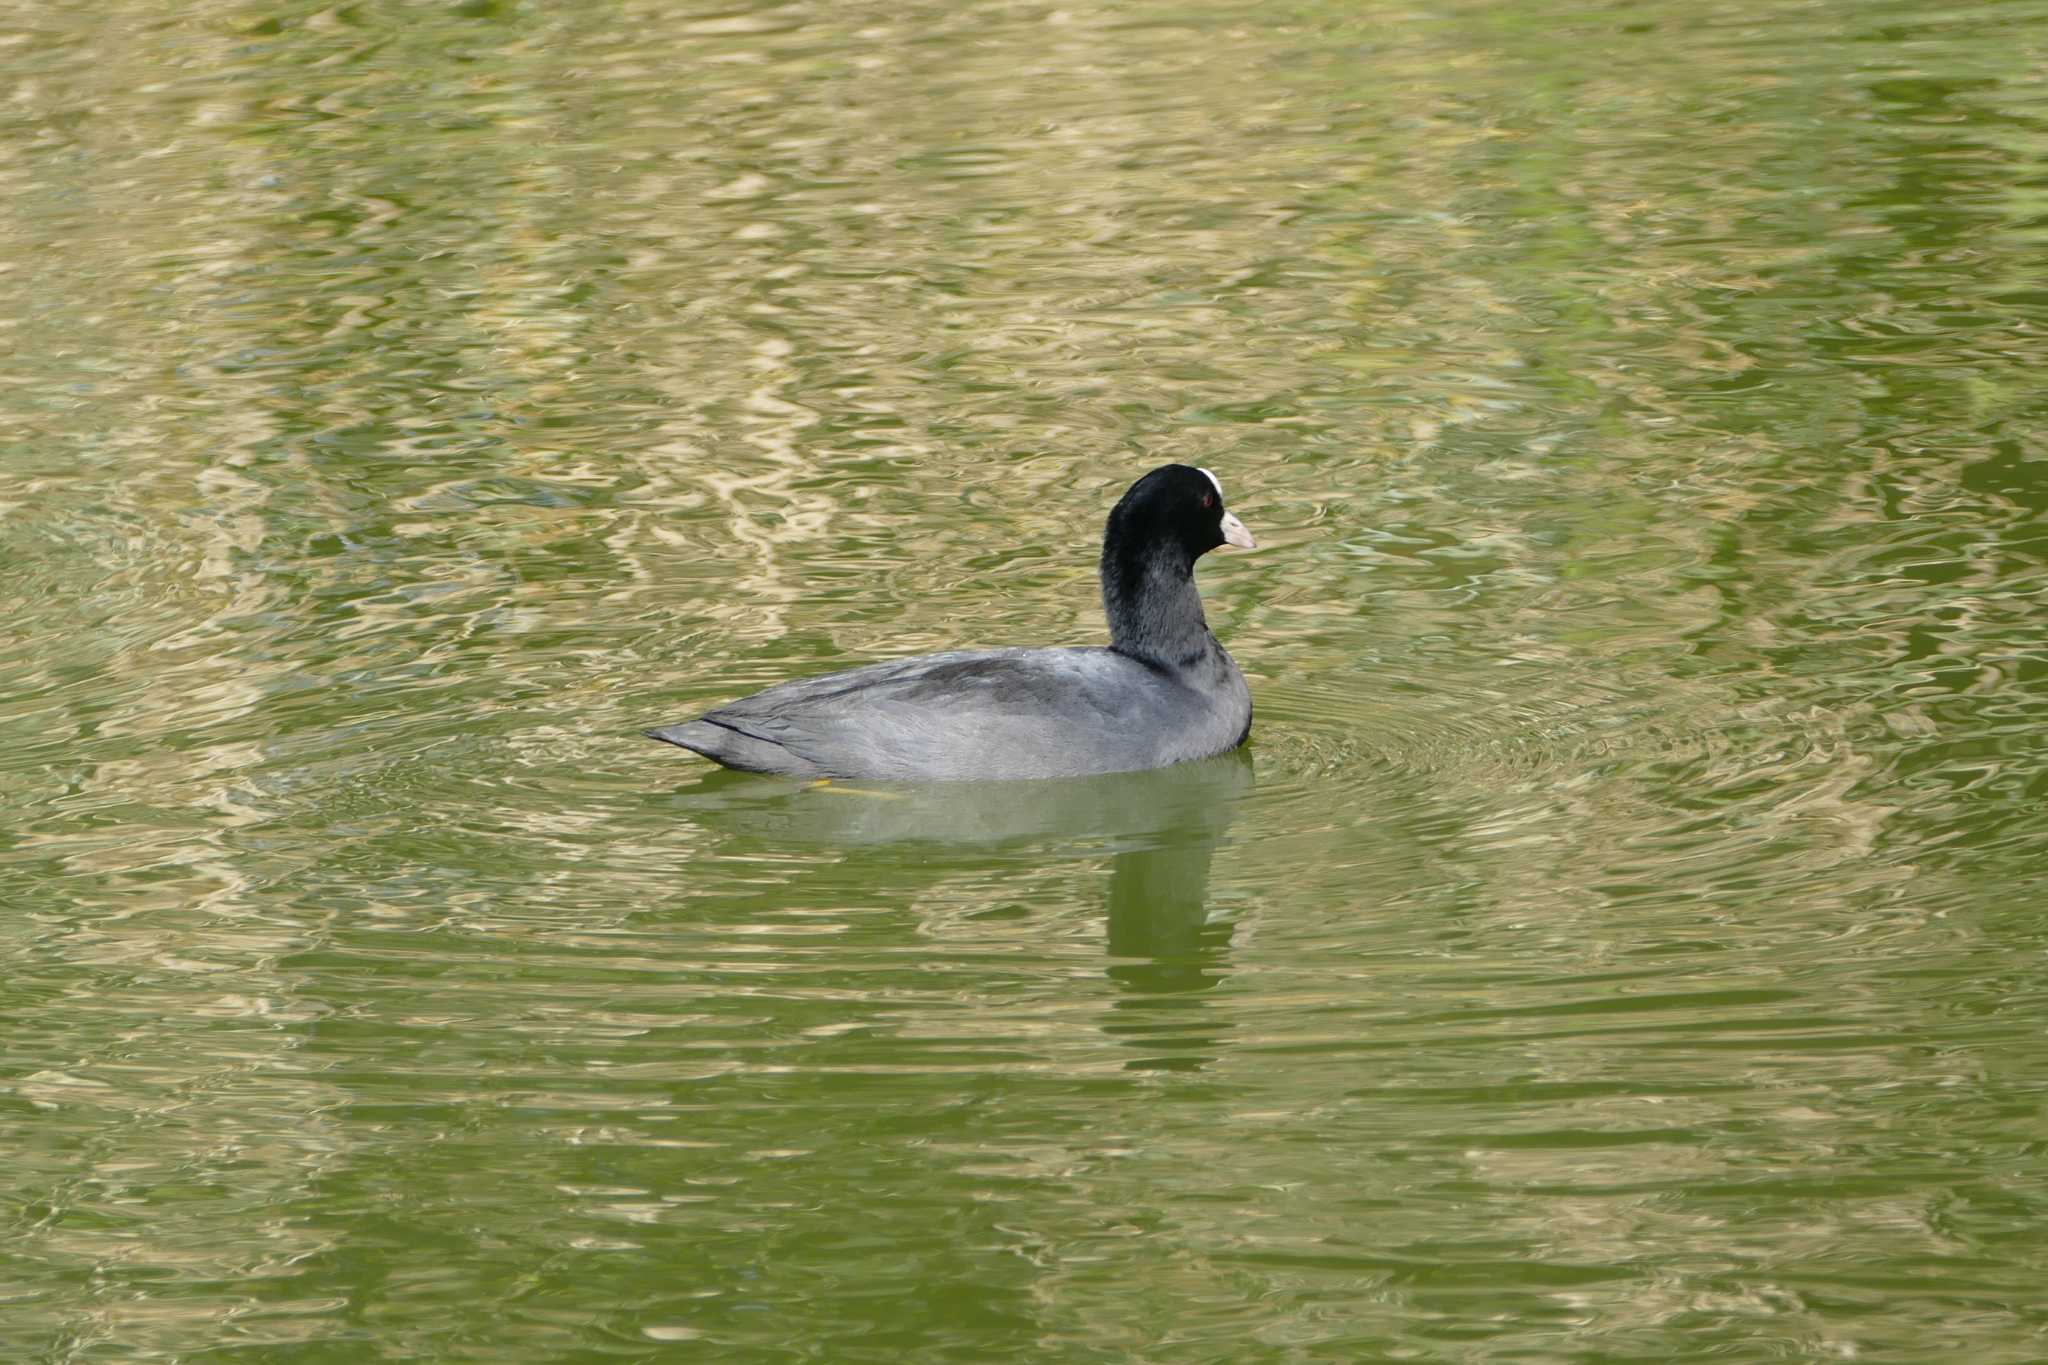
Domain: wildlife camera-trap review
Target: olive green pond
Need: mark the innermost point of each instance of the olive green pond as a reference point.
(1623, 938)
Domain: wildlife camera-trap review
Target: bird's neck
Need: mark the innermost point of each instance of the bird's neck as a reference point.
(1155, 614)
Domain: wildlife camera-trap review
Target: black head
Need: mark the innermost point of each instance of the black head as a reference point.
(1175, 512)
(1158, 529)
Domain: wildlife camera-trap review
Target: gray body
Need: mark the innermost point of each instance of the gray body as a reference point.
(969, 715)
(1163, 692)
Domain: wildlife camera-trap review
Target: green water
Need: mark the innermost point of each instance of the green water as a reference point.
(1619, 943)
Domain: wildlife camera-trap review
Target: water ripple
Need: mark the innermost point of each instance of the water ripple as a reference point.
(1615, 942)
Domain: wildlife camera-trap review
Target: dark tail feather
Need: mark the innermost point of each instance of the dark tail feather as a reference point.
(732, 748)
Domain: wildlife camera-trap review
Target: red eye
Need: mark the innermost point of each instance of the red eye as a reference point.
(1208, 499)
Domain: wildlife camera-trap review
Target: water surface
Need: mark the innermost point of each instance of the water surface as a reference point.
(1619, 941)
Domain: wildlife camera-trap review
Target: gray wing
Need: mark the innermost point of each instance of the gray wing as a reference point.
(1005, 713)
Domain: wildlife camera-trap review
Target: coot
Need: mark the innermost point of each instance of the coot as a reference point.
(1164, 691)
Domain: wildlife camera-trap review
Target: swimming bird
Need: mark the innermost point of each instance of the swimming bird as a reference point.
(1163, 691)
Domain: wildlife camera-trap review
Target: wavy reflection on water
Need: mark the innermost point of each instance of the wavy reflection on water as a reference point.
(1626, 950)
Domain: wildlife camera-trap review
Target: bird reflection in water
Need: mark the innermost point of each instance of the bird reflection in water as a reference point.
(1167, 949)
(1162, 827)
